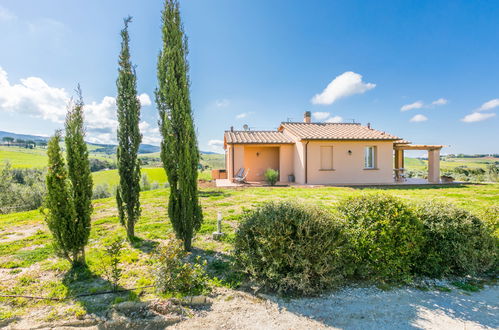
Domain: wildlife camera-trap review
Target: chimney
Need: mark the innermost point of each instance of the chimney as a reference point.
(306, 118)
(369, 125)
(232, 128)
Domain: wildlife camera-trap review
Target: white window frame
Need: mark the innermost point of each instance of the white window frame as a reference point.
(370, 157)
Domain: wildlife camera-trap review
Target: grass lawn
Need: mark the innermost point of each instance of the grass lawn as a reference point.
(28, 265)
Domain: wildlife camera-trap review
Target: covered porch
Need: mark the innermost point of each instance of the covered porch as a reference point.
(433, 160)
(252, 160)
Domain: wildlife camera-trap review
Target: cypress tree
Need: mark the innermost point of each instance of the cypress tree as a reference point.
(179, 150)
(129, 138)
(79, 172)
(60, 215)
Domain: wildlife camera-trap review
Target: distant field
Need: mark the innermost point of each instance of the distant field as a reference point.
(449, 163)
(22, 157)
(31, 158)
(155, 174)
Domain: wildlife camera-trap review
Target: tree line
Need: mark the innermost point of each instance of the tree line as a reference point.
(68, 205)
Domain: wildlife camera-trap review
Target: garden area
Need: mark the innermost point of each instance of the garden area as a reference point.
(407, 236)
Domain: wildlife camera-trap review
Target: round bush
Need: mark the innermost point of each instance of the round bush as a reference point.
(456, 241)
(386, 236)
(291, 248)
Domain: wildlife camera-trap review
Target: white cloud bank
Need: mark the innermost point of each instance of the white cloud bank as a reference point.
(344, 85)
(34, 97)
(418, 118)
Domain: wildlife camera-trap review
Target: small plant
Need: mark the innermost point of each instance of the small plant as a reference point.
(112, 270)
(271, 176)
(145, 184)
(175, 274)
(101, 191)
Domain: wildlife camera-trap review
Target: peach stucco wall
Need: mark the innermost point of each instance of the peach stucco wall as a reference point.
(290, 159)
(286, 161)
(350, 168)
(258, 159)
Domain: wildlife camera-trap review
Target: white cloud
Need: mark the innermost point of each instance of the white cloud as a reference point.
(244, 115)
(149, 139)
(334, 119)
(216, 145)
(101, 116)
(440, 101)
(104, 138)
(346, 84)
(144, 126)
(222, 103)
(33, 97)
(6, 15)
(489, 105)
(144, 99)
(320, 115)
(477, 116)
(415, 105)
(418, 118)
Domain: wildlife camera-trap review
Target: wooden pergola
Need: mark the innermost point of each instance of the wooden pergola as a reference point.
(433, 158)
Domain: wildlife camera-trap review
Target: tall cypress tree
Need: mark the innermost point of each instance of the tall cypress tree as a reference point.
(129, 138)
(179, 150)
(79, 172)
(61, 213)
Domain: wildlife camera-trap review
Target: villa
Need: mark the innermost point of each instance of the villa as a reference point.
(323, 153)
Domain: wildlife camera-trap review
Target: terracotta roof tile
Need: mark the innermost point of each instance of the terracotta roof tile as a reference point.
(335, 131)
(268, 137)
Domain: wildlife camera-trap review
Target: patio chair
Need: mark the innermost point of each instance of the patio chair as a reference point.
(240, 176)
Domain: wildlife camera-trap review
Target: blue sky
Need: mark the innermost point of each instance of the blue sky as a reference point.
(427, 71)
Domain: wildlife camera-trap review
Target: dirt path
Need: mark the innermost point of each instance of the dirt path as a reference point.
(355, 309)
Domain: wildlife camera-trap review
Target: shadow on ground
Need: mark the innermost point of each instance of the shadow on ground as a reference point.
(415, 187)
(400, 309)
(82, 285)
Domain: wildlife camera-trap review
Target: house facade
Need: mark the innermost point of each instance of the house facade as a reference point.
(322, 153)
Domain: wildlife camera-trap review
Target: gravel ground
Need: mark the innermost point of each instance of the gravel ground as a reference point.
(359, 308)
(352, 308)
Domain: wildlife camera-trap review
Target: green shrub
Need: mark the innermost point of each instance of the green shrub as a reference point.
(271, 176)
(174, 274)
(101, 191)
(111, 265)
(456, 241)
(386, 236)
(291, 248)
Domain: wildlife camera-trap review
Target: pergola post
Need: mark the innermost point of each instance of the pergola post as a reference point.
(399, 158)
(434, 165)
